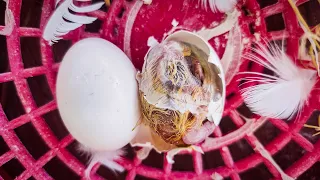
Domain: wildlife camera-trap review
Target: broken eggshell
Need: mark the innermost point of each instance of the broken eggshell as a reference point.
(215, 107)
(146, 137)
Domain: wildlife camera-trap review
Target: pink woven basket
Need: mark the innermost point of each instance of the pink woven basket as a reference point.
(34, 144)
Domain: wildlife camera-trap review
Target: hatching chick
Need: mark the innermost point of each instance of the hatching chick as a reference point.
(177, 84)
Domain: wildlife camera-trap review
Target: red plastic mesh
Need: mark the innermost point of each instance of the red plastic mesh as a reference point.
(131, 20)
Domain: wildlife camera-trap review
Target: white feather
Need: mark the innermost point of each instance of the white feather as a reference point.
(219, 5)
(280, 95)
(106, 158)
(57, 26)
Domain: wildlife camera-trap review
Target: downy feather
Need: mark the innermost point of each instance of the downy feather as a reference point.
(219, 5)
(283, 94)
(57, 26)
(106, 158)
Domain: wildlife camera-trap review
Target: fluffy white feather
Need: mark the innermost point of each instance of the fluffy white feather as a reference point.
(219, 5)
(57, 26)
(280, 95)
(106, 158)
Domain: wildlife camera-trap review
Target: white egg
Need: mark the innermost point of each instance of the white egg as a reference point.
(97, 95)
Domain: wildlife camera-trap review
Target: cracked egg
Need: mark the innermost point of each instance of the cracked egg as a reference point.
(182, 94)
